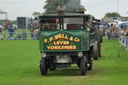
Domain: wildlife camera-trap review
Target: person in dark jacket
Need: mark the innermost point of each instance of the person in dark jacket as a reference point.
(11, 30)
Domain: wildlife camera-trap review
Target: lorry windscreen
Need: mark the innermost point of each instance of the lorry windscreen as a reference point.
(50, 24)
(73, 23)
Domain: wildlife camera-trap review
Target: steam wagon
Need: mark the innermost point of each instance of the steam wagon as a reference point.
(68, 39)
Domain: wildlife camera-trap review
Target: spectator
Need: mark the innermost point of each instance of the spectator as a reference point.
(2, 36)
(106, 33)
(10, 37)
(24, 35)
(11, 31)
(122, 31)
(121, 26)
(35, 35)
(116, 34)
(127, 33)
(18, 36)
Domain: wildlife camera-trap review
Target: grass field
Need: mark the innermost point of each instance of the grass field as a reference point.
(19, 66)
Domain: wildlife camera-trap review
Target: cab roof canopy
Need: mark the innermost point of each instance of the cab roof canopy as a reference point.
(65, 15)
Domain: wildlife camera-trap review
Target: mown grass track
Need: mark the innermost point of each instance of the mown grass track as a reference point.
(19, 66)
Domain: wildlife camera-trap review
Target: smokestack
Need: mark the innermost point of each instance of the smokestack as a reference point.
(80, 1)
(60, 9)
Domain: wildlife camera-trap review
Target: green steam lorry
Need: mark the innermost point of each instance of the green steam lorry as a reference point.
(68, 39)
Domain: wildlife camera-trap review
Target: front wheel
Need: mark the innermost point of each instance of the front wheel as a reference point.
(95, 51)
(43, 66)
(83, 65)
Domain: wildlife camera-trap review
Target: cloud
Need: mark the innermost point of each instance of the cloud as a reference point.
(19, 8)
(98, 8)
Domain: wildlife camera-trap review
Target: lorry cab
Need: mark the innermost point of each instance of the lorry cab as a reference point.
(74, 29)
(64, 40)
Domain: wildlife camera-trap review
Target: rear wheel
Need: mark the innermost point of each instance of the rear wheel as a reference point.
(43, 66)
(83, 65)
(95, 51)
(90, 60)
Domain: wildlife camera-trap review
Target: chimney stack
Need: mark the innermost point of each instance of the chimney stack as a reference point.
(60, 9)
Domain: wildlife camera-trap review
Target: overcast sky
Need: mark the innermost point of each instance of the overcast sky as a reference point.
(25, 8)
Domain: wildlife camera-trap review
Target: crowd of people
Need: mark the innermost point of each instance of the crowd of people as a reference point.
(13, 34)
(109, 31)
(116, 32)
(113, 32)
